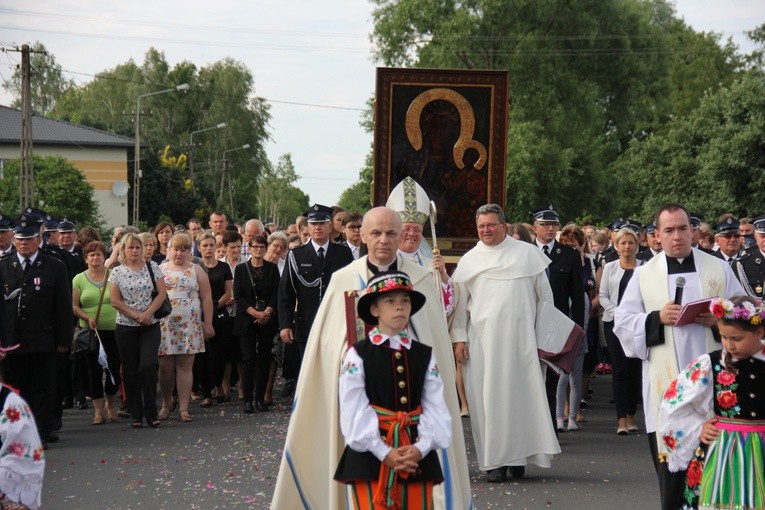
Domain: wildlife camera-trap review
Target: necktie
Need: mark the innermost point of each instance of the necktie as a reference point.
(546, 250)
(321, 255)
(27, 265)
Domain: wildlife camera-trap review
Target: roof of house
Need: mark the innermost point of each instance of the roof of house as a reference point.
(47, 131)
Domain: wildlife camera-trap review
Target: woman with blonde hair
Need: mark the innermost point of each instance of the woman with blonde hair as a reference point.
(186, 328)
(149, 245)
(626, 372)
(137, 332)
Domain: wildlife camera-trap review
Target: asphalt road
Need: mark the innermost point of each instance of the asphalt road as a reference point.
(226, 459)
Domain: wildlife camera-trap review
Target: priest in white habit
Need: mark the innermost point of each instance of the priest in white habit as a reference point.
(646, 324)
(314, 442)
(498, 285)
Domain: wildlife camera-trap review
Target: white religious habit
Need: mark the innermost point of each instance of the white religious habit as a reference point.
(497, 290)
(314, 441)
(665, 350)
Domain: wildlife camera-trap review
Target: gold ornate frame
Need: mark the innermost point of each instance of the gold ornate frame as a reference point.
(448, 130)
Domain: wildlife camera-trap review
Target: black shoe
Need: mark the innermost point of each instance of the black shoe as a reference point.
(52, 437)
(262, 406)
(517, 471)
(289, 388)
(249, 408)
(81, 405)
(67, 403)
(124, 414)
(496, 475)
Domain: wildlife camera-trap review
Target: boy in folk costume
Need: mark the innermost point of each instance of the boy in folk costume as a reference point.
(392, 409)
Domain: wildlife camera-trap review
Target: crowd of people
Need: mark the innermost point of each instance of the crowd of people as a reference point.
(194, 313)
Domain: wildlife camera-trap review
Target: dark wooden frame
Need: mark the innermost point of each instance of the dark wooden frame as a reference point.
(400, 97)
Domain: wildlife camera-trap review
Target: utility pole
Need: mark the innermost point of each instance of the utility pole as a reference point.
(27, 175)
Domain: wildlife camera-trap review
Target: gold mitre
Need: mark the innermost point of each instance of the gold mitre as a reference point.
(410, 201)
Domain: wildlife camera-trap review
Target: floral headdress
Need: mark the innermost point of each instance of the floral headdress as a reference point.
(754, 313)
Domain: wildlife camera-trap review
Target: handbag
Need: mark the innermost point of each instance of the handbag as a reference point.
(86, 339)
(167, 307)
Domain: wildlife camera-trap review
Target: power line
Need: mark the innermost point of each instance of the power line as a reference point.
(194, 42)
(211, 28)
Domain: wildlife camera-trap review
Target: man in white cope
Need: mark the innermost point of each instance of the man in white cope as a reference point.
(498, 284)
(645, 321)
(314, 441)
(411, 202)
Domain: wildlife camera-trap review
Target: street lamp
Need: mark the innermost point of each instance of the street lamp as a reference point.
(183, 87)
(191, 145)
(226, 176)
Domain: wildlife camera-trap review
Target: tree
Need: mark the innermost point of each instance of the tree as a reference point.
(47, 82)
(220, 92)
(279, 199)
(587, 77)
(61, 190)
(712, 161)
(358, 196)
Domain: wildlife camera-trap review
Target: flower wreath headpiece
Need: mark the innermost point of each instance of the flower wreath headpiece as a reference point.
(746, 311)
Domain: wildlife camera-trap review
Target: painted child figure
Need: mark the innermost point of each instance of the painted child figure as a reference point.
(712, 416)
(392, 410)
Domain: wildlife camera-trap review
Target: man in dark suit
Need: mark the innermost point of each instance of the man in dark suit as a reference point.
(750, 268)
(305, 278)
(609, 253)
(37, 316)
(728, 238)
(565, 273)
(6, 236)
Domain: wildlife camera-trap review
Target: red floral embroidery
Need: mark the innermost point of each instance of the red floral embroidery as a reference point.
(694, 473)
(671, 391)
(726, 378)
(17, 449)
(670, 442)
(377, 339)
(13, 414)
(37, 455)
(727, 399)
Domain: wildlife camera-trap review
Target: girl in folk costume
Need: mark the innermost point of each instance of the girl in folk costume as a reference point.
(712, 417)
(393, 415)
(22, 461)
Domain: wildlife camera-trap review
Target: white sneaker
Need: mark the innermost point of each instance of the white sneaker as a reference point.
(572, 426)
(560, 424)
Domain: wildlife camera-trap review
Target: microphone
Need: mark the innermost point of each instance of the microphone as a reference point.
(679, 284)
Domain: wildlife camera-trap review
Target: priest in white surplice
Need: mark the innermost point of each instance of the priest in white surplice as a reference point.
(497, 285)
(644, 323)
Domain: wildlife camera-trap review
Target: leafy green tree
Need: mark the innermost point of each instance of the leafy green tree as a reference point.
(61, 190)
(47, 83)
(279, 199)
(587, 78)
(357, 197)
(220, 92)
(712, 161)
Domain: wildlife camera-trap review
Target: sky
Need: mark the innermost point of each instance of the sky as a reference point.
(312, 60)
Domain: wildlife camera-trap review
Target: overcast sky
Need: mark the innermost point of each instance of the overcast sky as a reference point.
(310, 59)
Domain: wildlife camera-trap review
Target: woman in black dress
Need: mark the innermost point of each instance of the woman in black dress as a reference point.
(217, 347)
(256, 286)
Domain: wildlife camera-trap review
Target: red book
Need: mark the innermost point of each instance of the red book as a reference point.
(692, 310)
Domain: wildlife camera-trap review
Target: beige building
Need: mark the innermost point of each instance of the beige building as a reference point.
(101, 156)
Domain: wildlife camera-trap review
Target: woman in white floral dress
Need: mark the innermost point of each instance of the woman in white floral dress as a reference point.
(185, 329)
